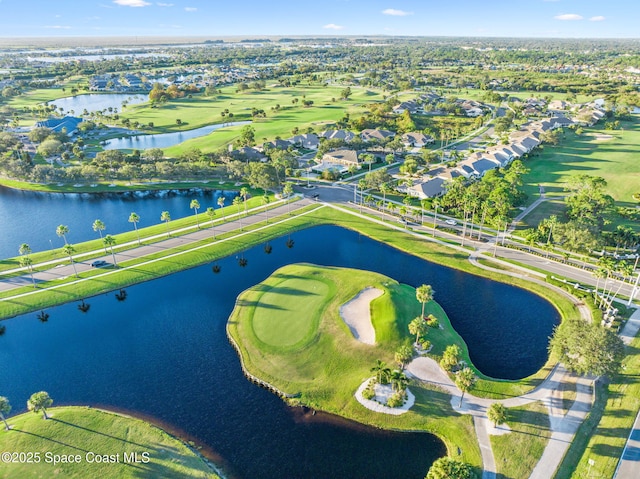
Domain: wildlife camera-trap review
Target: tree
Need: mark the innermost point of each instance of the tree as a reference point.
(166, 217)
(287, 191)
(62, 231)
(237, 202)
(450, 357)
(497, 414)
(99, 226)
(448, 468)
(5, 409)
(244, 193)
(346, 93)
(27, 262)
(221, 204)
(135, 218)
(247, 136)
(40, 401)
(465, 379)
(418, 327)
(398, 380)
(195, 205)
(266, 200)
(403, 355)
(381, 372)
(211, 213)
(587, 348)
(424, 294)
(110, 241)
(69, 250)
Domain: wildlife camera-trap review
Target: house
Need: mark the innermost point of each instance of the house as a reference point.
(427, 187)
(342, 157)
(67, 124)
(473, 112)
(277, 144)
(560, 122)
(475, 168)
(447, 174)
(309, 141)
(373, 134)
(248, 153)
(559, 105)
(416, 139)
(411, 106)
(344, 135)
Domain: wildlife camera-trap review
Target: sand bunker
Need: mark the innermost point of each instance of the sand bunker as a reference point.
(357, 315)
(601, 137)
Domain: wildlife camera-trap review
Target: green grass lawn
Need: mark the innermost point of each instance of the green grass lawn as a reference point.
(86, 432)
(326, 373)
(541, 212)
(517, 453)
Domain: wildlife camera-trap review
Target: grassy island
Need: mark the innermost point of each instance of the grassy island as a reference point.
(80, 442)
(290, 334)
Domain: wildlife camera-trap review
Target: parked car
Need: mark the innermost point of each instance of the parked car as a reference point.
(99, 263)
(451, 222)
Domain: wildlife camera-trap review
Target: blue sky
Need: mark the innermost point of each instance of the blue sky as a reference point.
(506, 18)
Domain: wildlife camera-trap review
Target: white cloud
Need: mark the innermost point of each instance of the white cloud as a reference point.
(58, 27)
(165, 4)
(569, 16)
(396, 13)
(597, 18)
(131, 3)
(333, 26)
(190, 9)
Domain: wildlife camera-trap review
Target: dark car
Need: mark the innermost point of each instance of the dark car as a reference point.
(99, 263)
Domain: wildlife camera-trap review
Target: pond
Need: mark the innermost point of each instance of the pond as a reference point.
(32, 217)
(164, 140)
(163, 352)
(94, 102)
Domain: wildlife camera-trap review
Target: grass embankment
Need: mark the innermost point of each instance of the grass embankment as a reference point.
(517, 453)
(608, 425)
(91, 434)
(322, 361)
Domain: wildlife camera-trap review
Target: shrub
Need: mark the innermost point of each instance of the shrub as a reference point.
(396, 399)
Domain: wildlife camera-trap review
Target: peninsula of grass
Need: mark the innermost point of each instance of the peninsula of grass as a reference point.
(88, 433)
(289, 333)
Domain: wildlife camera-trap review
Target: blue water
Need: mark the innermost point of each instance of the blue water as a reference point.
(32, 218)
(164, 140)
(98, 102)
(163, 353)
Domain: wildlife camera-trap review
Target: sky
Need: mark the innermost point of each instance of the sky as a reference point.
(215, 18)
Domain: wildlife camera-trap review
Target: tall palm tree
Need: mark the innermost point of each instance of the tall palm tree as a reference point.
(27, 262)
(5, 408)
(69, 250)
(424, 294)
(381, 372)
(237, 201)
(418, 327)
(166, 217)
(99, 226)
(211, 213)
(40, 401)
(135, 218)
(398, 380)
(221, 204)
(287, 191)
(195, 205)
(384, 189)
(244, 193)
(62, 231)
(362, 184)
(465, 380)
(24, 249)
(266, 200)
(436, 204)
(110, 241)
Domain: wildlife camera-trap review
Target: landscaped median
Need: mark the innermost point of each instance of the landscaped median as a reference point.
(80, 442)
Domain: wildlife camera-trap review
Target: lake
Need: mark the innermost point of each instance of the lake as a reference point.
(163, 353)
(94, 102)
(164, 140)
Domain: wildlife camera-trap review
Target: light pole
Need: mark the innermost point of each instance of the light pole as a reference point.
(633, 291)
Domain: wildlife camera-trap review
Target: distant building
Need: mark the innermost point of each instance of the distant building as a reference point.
(67, 124)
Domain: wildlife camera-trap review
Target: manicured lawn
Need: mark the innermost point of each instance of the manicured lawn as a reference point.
(543, 211)
(326, 373)
(517, 453)
(87, 432)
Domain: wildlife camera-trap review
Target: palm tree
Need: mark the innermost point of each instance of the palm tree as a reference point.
(24, 249)
(287, 191)
(99, 226)
(418, 327)
(424, 294)
(626, 271)
(237, 201)
(211, 213)
(436, 204)
(135, 218)
(362, 184)
(398, 380)
(221, 205)
(166, 217)
(195, 205)
(497, 414)
(551, 223)
(381, 372)
(110, 241)
(5, 408)
(465, 380)
(40, 401)
(289, 243)
(27, 262)
(384, 189)
(244, 193)
(69, 250)
(368, 199)
(62, 231)
(403, 355)
(266, 200)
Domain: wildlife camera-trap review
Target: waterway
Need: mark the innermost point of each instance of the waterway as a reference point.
(164, 140)
(163, 352)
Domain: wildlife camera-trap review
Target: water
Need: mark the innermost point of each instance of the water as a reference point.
(97, 102)
(163, 353)
(32, 218)
(164, 140)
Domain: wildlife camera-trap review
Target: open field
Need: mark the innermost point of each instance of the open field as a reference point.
(87, 432)
(326, 373)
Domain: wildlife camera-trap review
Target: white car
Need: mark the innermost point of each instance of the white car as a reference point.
(451, 222)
